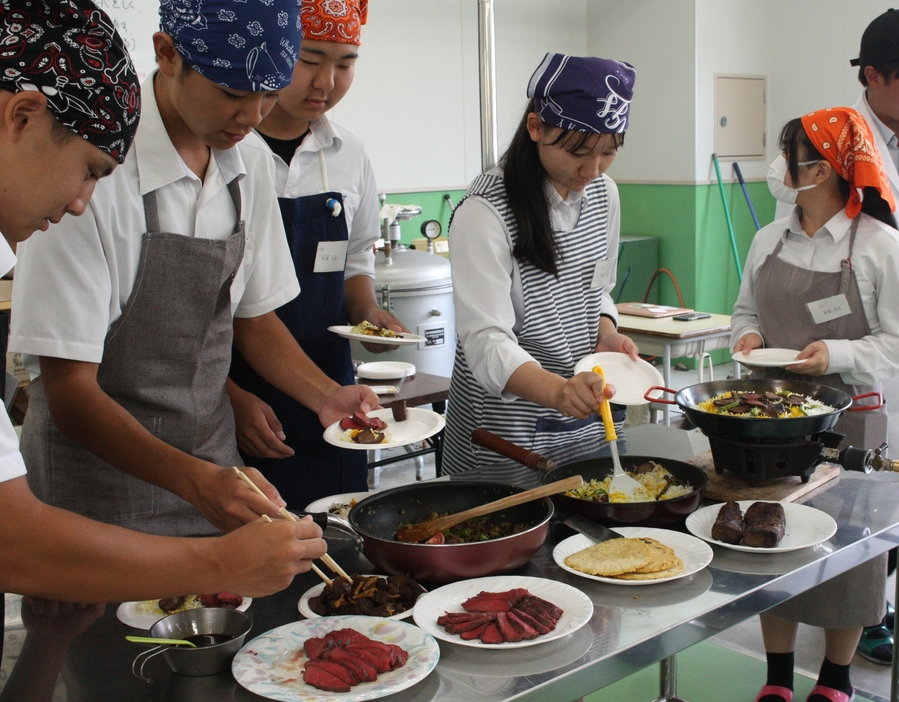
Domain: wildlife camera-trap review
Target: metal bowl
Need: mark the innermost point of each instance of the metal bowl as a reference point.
(205, 659)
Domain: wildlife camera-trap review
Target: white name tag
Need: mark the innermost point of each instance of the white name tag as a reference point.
(829, 308)
(604, 273)
(330, 256)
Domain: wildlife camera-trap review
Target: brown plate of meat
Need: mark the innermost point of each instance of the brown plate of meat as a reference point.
(804, 526)
(419, 425)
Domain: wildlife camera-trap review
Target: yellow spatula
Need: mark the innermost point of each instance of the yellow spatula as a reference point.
(621, 481)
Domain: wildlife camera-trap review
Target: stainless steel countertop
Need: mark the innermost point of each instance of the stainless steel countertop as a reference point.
(631, 627)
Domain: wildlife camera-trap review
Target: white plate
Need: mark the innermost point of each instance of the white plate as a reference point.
(806, 526)
(307, 611)
(401, 338)
(385, 370)
(140, 615)
(418, 425)
(576, 606)
(271, 665)
(631, 378)
(324, 504)
(695, 554)
(769, 358)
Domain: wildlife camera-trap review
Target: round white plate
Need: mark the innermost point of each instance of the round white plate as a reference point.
(695, 554)
(576, 606)
(271, 665)
(385, 370)
(418, 425)
(326, 504)
(401, 338)
(307, 612)
(769, 358)
(806, 526)
(143, 615)
(631, 378)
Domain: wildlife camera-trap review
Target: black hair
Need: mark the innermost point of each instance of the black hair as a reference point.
(796, 145)
(889, 71)
(525, 180)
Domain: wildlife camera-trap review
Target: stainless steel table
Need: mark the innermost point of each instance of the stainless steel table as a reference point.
(631, 627)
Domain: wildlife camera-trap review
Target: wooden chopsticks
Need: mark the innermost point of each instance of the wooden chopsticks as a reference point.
(326, 559)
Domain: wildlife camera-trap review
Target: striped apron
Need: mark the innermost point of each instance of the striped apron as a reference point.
(560, 326)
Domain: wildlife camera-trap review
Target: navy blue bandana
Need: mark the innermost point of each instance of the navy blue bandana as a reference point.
(247, 45)
(584, 94)
(70, 51)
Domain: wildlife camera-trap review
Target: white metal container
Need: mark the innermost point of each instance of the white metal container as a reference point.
(417, 287)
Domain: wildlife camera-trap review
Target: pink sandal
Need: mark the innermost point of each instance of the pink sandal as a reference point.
(831, 694)
(783, 692)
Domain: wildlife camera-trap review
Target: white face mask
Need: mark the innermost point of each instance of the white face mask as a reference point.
(780, 190)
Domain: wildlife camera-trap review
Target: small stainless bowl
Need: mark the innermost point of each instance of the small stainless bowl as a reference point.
(205, 659)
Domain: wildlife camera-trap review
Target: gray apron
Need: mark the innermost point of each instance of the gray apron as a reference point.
(165, 360)
(855, 598)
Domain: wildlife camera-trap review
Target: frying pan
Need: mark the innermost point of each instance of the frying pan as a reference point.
(662, 513)
(377, 517)
(737, 427)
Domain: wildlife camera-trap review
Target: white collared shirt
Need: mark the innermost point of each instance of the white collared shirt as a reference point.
(11, 463)
(487, 290)
(889, 137)
(73, 280)
(875, 260)
(347, 170)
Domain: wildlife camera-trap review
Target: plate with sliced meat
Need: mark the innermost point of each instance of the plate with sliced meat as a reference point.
(804, 526)
(395, 656)
(362, 431)
(506, 611)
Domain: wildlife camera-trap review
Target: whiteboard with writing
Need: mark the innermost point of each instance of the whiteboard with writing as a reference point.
(136, 21)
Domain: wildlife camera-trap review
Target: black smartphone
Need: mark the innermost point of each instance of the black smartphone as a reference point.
(690, 316)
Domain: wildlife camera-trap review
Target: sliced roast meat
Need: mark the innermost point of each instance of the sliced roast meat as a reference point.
(371, 422)
(477, 633)
(509, 632)
(491, 634)
(521, 626)
(764, 524)
(533, 622)
(319, 676)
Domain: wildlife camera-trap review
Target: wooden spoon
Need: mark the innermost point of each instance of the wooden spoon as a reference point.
(416, 533)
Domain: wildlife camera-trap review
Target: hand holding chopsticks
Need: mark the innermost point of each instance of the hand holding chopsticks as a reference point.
(326, 559)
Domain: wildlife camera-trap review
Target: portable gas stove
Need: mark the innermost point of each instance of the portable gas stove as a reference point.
(756, 459)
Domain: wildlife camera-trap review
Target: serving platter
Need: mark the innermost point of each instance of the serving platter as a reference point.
(418, 426)
(631, 378)
(144, 614)
(401, 338)
(315, 591)
(768, 358)
(576, 606)
(694, 553)
(271, 664)
(806, 526)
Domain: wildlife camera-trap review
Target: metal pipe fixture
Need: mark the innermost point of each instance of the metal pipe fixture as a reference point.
(487, 71)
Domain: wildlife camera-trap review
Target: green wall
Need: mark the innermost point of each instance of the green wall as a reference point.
(689, 221)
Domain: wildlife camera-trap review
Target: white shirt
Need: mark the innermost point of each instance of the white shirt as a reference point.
(73, 280)
(487, 291)
(11, 463)
(875, 260)
(346, 170)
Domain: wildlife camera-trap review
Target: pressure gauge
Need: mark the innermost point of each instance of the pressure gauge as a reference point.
(431, 229)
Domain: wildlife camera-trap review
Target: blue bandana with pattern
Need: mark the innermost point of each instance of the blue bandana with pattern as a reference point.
(240, 44)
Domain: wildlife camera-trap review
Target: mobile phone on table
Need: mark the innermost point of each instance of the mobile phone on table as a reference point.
(690, 316)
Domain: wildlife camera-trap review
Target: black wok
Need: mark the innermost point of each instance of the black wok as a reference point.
(736, 427)
(661, 513)
(377, 517)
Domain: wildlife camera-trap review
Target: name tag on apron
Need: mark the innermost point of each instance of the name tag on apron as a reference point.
(604, 273)
(330, 256)
(829, 308)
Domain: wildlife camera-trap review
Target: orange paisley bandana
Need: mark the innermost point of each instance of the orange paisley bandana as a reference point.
(334, 20)
(845, 139)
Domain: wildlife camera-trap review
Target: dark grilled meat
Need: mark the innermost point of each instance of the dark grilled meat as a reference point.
(764, 524)
(728, 527)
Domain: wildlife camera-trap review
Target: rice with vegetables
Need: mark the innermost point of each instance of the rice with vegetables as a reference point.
(657, 484)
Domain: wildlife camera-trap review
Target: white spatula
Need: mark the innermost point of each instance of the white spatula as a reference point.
(621, 481)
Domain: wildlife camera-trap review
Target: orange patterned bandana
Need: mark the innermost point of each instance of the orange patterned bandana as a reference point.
(334, 20)
(845, 139)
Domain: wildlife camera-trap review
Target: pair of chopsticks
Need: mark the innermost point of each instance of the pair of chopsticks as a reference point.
(326, 559)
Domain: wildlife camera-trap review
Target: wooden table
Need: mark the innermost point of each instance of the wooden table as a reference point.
(671, 339)
(419, 389)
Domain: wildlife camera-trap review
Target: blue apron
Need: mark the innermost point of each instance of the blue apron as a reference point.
(317, 469)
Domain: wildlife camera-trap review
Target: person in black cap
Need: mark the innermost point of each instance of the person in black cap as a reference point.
(533, 247)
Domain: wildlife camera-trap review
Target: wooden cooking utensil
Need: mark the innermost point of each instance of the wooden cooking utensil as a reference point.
(416, 533)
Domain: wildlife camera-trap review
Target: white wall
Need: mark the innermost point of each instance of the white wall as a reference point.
(416, 105)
